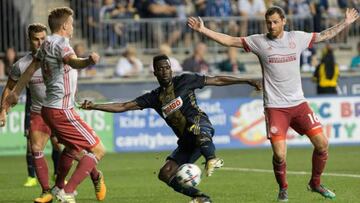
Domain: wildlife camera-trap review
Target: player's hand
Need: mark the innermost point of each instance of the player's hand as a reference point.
(196, 24)
(87, 105)
(94, 58)
(2, 118)
(10, 101)
(256, 83)
(351, 15)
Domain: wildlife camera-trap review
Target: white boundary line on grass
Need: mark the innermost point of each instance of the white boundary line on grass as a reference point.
(289, 172)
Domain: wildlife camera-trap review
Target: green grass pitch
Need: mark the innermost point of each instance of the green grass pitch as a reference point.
(132, 178)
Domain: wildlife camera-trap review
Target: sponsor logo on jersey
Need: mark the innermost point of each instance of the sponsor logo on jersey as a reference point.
(172, 106)
(278, 58)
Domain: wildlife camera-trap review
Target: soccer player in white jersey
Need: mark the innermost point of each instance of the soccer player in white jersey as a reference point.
(279, 55)
(39, 131)
(58, 63)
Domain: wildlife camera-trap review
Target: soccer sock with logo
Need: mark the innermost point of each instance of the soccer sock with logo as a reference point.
(188, 191)
(65, 163)
(280, 173)
(207, 147)
(83, 169)
(318, 164)
(41, 169)
(55, 156)
(30, 164)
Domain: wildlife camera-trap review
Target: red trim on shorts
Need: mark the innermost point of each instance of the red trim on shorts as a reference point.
(245, 45)
(312, 40)
(276, 138)
(315, 131)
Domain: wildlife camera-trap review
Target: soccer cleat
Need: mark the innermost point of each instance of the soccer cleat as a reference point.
(65, 197)
(283, 195)
(212, 164)
(100, 187)
(30, 182)
(322, 190)
(201, 199)
(45, 197)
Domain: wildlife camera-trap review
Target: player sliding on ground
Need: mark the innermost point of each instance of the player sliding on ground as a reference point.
(175, 101)
(279, 54)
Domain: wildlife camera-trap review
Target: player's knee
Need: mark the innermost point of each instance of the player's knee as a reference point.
(322, 146)
(279, 157)
(202, 138)
(164, 174)
(36, 147)
(99, 151)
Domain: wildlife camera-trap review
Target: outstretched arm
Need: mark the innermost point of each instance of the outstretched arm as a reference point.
(230, 80)
(197, 24)
(7, 89)
(80, 63)
(350, 16)
(111, 107)
(13, 96)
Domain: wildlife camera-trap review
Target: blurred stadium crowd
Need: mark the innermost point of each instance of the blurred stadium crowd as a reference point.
(128, 33)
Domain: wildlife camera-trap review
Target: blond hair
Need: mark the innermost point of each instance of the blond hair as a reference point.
(58, 17)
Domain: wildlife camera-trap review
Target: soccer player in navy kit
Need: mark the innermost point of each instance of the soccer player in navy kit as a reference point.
(175, 101)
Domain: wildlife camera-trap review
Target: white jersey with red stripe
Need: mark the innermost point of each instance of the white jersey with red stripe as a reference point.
(60, 79)
(36, 84)
(280, 63)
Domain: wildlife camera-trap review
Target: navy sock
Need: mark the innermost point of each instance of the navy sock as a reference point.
(207, 149)
(188, 191)
(55, 155)
(30, 165)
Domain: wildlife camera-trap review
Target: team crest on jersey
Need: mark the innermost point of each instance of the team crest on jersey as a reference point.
(292, 45)
(172, 106)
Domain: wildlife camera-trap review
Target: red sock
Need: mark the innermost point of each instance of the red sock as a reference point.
(280, 174)
(41, 169)
(83, 169)
(65, 163)
(94, 174)
(318, 165)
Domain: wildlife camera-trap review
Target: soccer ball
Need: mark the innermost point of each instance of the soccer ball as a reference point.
(188, 175)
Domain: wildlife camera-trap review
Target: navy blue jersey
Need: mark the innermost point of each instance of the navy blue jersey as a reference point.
(177, 104)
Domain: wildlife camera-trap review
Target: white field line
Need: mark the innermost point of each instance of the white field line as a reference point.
(289, 172)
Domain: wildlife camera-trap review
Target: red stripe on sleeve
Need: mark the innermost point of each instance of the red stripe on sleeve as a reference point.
(245, 45)
(312, 40)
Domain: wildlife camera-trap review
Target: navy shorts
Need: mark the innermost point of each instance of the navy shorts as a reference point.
(187, 150)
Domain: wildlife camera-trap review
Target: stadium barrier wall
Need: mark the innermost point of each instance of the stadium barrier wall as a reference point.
(238, 123)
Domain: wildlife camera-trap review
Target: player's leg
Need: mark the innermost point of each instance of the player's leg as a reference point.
(77, 133)
(204, 133)
(31, 179)
(277, 124)
(55, 154)
(168, 171)
(319, 158)
(307, 123)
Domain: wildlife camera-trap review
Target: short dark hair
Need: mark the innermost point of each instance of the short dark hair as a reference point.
(36, 28)
(275, 9)
(159, 58)
(58, 16)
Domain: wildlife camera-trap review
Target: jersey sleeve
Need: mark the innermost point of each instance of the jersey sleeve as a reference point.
(15, 72)
(147, 100)
(304, 39)
(64, 48)
(194, 81)
(250, 43)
